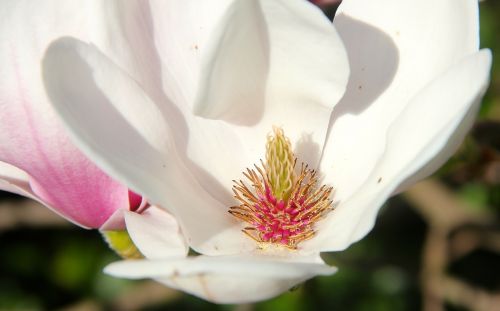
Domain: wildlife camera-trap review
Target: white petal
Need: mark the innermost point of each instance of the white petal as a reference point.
(117, 125)
(395, 48)
(305, 76)
(14, 180)
(430, 128)
(9, 172)
(156, 233)
(181, 29)
(235, 67)
(225, 279)
(273, 63)
(127, 36)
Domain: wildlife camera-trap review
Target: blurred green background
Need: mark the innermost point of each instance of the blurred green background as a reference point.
(436, 247)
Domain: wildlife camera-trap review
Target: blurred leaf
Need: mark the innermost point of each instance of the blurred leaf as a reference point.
(73, 266)
(476, 196)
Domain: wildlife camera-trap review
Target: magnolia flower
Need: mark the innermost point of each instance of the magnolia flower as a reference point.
(374, 102)
(37, 158)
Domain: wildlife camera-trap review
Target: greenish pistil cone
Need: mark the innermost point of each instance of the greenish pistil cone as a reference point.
(122, 244)
(280, 164)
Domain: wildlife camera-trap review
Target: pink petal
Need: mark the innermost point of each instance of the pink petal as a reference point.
(31, 138)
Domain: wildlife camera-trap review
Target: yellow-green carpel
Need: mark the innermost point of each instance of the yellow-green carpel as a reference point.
(280, 164)
(122, 244)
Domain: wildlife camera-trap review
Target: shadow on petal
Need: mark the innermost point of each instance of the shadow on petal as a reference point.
(237, 68)
(307, 150)
(91, 93)
(373, 62)
(175, 117)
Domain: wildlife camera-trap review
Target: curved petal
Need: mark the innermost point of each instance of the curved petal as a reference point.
(17, 181)
(305, 73)
(31, 137)
(181, 31)
(235, 66)
(124, 132)
(222, 279)
(395, 48)
(225, 279)
(448, 107)
(10, 172)
(273, 63)
(259, 56)
(156, 234)
(14, 180)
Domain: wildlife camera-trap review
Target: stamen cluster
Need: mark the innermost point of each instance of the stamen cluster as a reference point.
(274, 217)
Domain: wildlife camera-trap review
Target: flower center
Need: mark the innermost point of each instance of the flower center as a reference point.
(282, 204)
